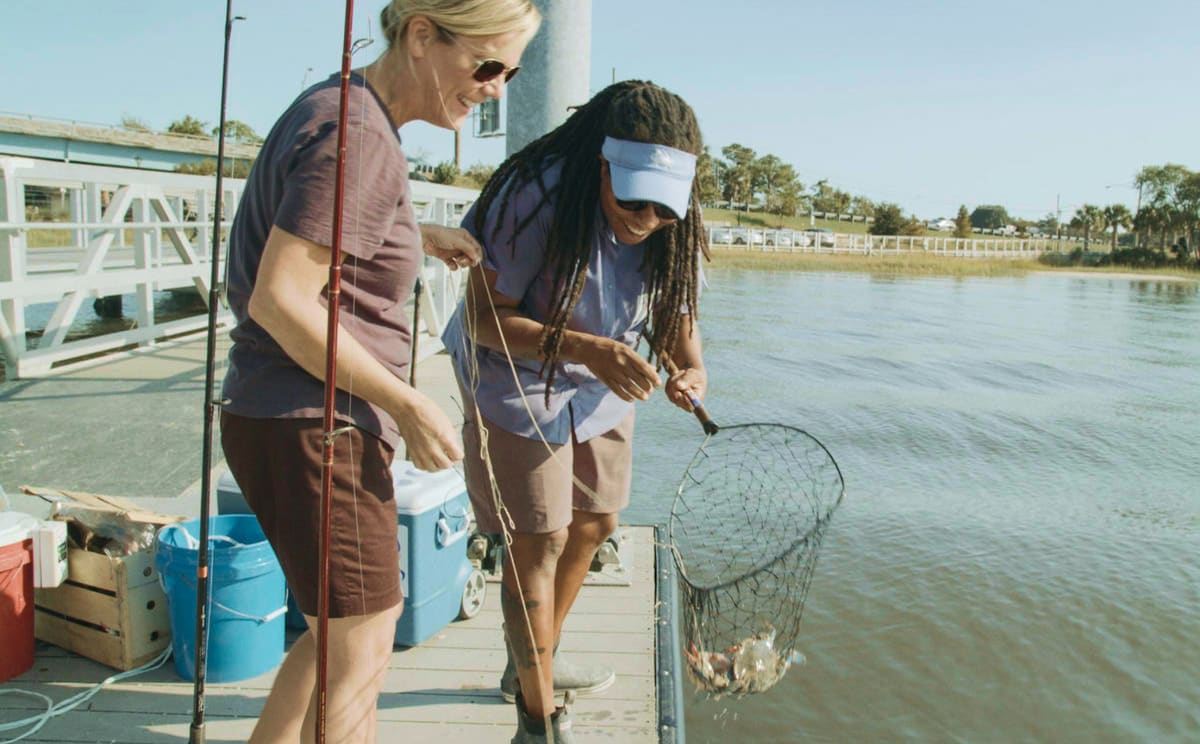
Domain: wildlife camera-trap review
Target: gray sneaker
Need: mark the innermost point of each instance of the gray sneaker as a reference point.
(582, 679)
(533, 730)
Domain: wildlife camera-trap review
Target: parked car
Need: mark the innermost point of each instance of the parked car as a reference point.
(779, 238)
(747, 236)
(941, 225)
(821, 236)
(721, 235)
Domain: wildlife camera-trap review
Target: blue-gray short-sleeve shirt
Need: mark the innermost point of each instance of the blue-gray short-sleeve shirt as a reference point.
(614, 303)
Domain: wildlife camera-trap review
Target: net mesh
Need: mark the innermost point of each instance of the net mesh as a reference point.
(746, 527)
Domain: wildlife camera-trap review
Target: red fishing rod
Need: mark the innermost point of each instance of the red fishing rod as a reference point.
(196, 732)
(331, 339)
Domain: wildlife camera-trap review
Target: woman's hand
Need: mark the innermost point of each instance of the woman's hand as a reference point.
(619, 367)
(686, 383)
(429, 438)
(453, 246)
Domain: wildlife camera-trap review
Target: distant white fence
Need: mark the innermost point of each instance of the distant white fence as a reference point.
(138, 232)
(803, 241)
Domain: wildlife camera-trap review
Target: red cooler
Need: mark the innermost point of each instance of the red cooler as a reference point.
(16, 594)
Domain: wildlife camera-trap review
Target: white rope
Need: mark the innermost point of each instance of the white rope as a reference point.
(54, 710)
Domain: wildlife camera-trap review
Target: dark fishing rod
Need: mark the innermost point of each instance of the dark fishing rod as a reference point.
(331, 339)
(196, 734)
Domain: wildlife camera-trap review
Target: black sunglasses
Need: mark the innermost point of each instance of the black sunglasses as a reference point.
(662, 211)
(488, 69)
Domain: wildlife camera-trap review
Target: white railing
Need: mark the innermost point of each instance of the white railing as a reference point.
(137, 232)
(800, 241)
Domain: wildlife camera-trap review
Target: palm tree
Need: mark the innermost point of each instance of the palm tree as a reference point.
(1087, 217)
(1116, 216)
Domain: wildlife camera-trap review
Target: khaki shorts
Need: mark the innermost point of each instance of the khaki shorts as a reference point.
(536, 488)
(277, 464)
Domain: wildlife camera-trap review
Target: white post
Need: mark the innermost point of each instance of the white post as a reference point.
(12, 265)
(143, 259)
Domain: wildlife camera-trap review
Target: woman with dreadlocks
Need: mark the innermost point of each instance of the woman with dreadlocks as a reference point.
(592, 240)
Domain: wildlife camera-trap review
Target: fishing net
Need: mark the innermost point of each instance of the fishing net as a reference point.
(746, 527)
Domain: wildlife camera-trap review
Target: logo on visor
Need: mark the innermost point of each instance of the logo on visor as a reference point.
(660, 158)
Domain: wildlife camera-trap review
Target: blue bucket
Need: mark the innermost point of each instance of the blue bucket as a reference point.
(247, 597)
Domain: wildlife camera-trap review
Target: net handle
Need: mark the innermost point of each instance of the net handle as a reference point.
(710, 427)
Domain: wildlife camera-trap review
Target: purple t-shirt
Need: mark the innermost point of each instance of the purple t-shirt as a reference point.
(292, 186)
(614, 303)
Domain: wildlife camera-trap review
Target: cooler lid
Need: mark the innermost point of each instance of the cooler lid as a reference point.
(418, 491)
(15, 527)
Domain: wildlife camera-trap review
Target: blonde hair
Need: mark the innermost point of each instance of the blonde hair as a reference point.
(460, 17)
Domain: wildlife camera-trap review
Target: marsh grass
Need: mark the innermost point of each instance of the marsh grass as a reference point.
(901, 265)
(914, 265)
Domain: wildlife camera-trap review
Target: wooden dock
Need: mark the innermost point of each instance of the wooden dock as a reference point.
(446, 689)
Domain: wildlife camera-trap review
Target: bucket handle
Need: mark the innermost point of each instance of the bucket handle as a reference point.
(261, 620)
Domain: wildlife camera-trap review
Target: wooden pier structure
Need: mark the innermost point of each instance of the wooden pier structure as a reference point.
(131, 426)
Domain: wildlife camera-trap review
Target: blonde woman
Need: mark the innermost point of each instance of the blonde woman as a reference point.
(443, 57)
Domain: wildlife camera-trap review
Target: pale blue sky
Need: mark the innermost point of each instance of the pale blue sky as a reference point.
(928, 104)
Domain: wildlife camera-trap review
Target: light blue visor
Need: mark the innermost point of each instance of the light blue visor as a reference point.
(647, 172)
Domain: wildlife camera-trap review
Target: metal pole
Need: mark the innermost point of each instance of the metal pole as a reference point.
(196, 734)
(555, 70)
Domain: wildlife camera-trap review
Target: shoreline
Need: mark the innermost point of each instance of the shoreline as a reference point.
(1131, 274)
(922, 264)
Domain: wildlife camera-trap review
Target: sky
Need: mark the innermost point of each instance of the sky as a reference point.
(929, 104)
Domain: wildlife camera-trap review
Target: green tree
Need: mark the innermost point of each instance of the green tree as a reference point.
(708, 177)
(239, 132)
(782, 192)
(1116, 216)
(189, 126)
(444, 172)
(962, 223)
(1161, 186)
(889, 220)
(1086, 218)
(479, 174)
(831, 200)
(913, 226)
(1188, 196)
(134, 124)
(234, 167)
(989, 217)
(861, 206)
(739, 174)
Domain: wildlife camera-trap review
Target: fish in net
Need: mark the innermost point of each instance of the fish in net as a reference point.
(745, 528)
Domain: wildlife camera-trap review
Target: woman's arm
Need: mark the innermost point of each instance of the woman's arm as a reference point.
(615, 364)
(286, 302)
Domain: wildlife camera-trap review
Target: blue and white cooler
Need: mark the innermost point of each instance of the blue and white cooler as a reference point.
(440, 584)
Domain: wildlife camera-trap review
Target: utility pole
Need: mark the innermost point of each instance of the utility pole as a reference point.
(1058, 222)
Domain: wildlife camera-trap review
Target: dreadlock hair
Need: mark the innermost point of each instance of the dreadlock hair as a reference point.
(631, 110)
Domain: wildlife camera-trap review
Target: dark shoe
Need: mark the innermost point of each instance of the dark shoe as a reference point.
(582, 679)
(533, 730)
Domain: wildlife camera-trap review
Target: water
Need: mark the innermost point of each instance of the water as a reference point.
(168, 305)
(1018, 555)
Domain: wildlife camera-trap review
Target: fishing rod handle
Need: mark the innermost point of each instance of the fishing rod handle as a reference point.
(710, 427)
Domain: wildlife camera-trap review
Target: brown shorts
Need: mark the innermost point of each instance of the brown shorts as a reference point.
(536, 488)
(277, 465)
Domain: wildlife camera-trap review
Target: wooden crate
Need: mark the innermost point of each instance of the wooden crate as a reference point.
(111, 610)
